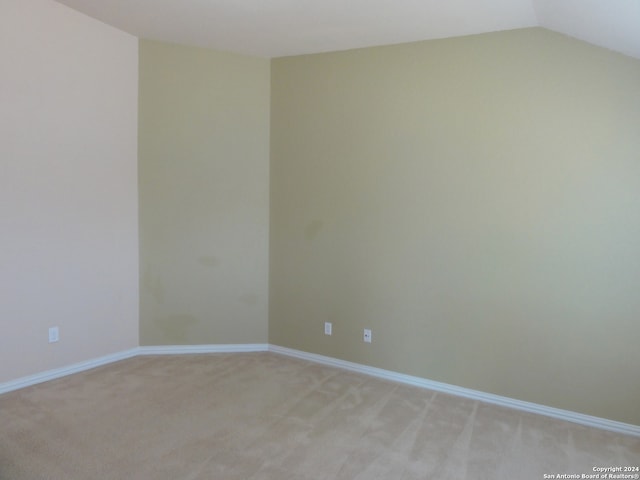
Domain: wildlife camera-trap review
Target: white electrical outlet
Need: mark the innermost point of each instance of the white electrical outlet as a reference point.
(327, 328)
(367, 335)
(54, 334)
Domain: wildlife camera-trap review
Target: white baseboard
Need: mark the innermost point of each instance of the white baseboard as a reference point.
(193, 349)
(574, 417)
(579, 418)
(64, 371)
(152, 350)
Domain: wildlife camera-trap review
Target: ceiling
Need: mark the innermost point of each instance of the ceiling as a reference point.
(275, 28)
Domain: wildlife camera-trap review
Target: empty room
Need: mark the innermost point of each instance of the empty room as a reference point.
(319, 240)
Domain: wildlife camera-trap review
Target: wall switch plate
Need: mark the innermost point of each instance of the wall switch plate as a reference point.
(54, 334)
(327, 328)
(367, 335)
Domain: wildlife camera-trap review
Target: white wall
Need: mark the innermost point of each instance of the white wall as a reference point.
(68, 194)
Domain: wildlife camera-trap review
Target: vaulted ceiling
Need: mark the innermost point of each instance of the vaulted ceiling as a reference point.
(274, 28)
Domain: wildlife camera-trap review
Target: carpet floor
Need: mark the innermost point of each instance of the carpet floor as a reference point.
(264, 416)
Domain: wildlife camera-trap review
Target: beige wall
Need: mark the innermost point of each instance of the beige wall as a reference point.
(204, 196)
(476, 202)
(68, 202)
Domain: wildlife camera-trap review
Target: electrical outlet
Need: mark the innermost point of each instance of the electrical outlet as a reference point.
(327, 328)
(54, 334)
(367, 335)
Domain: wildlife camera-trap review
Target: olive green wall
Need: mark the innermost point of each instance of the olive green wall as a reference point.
(204, 196)
(476, 202)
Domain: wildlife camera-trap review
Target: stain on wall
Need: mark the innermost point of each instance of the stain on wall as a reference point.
(209, 261)
(153, 285)
(313, 229)
(250, 299)
(176, 327)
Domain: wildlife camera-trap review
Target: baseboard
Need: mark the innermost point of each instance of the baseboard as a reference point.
(194, 349)
(574, 417)
(151, 350)
(64, 371)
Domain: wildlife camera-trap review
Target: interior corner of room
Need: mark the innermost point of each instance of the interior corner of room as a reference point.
(473, 201)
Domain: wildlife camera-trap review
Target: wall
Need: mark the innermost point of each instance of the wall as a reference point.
(476, 202)
(68, 202)
(204, 196)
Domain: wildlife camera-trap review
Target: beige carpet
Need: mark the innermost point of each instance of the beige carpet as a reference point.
(265, 416)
